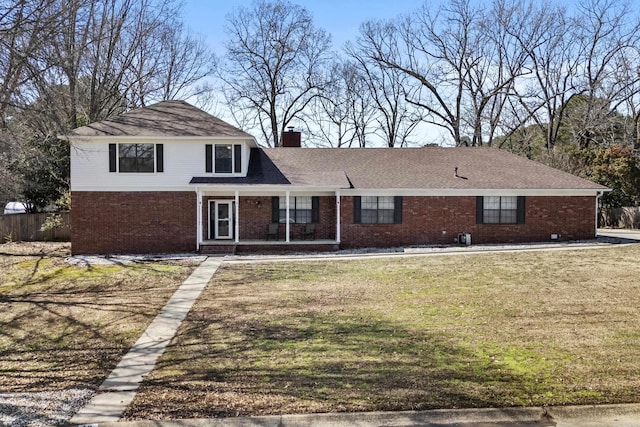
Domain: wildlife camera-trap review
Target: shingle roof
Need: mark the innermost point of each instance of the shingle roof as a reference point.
(403, 168)
(166, 118)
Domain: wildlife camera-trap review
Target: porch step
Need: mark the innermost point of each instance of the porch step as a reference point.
(218, 249)
(287, 248)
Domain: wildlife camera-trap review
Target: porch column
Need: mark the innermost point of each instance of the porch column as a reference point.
(236, 217)
(337, 217)
(198, 218)
(287, 227)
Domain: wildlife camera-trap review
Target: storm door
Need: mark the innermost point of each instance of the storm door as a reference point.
(221, 219)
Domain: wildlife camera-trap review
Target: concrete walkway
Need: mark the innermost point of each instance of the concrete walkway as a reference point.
(120, 387)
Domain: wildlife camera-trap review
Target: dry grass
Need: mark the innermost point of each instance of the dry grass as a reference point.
(67, 326)
(439, 332)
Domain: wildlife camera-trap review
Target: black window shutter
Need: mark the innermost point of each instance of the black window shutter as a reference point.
(315, 212)
(521, 209)
(237, 158)
(159, 158)
(208, 156)
(113, 158)
(397, 214)
(357, 217)
(479, 209)
(275, 209)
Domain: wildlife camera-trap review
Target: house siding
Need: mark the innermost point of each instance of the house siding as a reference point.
(90, 169)
(438, 220)
(132, 222)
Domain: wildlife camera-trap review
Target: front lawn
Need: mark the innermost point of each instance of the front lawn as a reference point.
(490, 330)
(64, 326)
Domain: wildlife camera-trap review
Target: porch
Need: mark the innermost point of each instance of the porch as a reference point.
(278, 221)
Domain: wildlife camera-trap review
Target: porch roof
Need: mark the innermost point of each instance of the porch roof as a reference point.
(262, 171)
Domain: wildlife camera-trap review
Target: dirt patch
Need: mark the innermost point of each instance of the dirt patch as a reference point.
(66, 326)
(51, 249)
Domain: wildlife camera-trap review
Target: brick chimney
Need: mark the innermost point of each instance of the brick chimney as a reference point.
(290, 138)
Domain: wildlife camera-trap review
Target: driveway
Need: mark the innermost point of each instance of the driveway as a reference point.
(619, 233)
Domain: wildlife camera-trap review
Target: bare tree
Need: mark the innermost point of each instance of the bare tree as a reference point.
(172, 64)
(331, 110)
(275, 64)
(25, 27)
(463, 65)
(406, 46)
(609, 39)
(344, 112)
(71, 62)
(388, 89)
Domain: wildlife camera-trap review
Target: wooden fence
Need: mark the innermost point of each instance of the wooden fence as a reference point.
(27, 228)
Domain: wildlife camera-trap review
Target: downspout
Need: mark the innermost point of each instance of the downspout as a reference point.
(287, 226)
(338, 225)
(598, 195)
(236, 216)
(198, 218)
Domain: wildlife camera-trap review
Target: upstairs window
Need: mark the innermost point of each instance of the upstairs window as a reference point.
(223, 158)
(500, 210)
(136, 158)
(377, 210)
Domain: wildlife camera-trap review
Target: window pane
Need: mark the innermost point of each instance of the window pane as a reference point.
(223, 158)
(223, 228)
(491, 216)
(508, 217)
(510, 202)
(369, 202)
(303, 202)
(127, 150)
(492, 202)
(127, 164)
(145, 165)
(369, 216)
(136, 157)
(385, 202)
(303, 216)
(385, 216)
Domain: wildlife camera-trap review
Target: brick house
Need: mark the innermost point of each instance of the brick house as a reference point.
(172, 178)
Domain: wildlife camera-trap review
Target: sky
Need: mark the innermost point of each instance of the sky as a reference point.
(341, 18)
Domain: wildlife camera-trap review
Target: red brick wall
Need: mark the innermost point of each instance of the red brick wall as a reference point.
(132, 222)
(437, 220)
(155, 222)
(255, 216)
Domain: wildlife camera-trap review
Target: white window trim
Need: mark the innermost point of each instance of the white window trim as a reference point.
(243, 160)
(155, 158)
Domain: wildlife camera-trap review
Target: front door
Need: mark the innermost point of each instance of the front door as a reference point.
(221, 219)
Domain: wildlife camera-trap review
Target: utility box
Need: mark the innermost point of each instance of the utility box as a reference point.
(464, 239)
